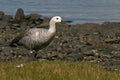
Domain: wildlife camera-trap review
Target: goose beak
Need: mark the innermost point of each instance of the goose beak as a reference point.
(61, 21)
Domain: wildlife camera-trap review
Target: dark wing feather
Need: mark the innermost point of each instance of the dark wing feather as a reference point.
(19, 37)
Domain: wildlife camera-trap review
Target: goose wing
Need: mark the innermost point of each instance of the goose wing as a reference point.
(19, 37)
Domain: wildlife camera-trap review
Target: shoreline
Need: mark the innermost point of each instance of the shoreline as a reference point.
(93, 42)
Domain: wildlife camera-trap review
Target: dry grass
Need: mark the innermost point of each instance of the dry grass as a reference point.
(55, 70)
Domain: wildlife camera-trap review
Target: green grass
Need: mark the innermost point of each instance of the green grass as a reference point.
(55, 70)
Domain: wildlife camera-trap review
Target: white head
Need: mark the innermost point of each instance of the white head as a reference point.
(56, 19)
(53, 21)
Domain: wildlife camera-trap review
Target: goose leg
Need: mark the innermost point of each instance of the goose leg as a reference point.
(33, 55)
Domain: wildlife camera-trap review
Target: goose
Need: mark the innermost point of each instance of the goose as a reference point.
(35, 39)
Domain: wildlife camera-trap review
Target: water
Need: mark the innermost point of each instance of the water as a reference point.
(79, 11)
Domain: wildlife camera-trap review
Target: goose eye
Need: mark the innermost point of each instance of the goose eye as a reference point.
(57, 18)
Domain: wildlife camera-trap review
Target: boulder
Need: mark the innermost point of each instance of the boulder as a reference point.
(19, 15)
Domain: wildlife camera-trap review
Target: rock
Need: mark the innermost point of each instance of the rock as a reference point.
(111, 30)
(34, 19)
(112, 41)
(45, 22)
(4, 25)
(16, 25)
(1, 15)
(19, 15)
(87, 50)
(33, 16)
(112, 65)
(15, 54)
(74, 55)
(7, 18)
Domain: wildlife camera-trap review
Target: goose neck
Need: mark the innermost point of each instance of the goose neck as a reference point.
(52, 27)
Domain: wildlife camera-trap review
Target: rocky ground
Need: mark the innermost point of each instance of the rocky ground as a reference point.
(98, 43)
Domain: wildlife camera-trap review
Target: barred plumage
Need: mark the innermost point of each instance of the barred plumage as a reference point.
(37, 38)
(36, 42)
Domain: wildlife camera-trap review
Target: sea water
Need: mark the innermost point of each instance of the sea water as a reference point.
(78, 11)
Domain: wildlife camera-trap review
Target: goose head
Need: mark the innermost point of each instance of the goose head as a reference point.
(56, 19)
